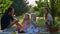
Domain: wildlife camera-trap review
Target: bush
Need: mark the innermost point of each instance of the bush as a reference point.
(40, 21)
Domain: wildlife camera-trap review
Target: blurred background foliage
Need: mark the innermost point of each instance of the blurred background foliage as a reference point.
(4, 4)
(21, 7)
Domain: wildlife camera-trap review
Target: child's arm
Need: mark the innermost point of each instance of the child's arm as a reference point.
(18, 24)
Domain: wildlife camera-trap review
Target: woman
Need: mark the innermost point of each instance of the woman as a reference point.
(49, 22)
(48, 17)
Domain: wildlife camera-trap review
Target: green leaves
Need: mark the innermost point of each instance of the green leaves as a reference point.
(20, 7)
(4, 4)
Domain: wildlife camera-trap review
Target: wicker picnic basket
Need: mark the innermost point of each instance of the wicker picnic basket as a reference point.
(53, 29)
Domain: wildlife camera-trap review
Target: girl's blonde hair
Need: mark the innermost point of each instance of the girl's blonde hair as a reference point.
(28, 17)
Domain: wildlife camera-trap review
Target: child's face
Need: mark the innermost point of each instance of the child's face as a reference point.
(26, 17)
(33, 17)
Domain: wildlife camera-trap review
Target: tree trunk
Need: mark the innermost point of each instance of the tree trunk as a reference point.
(53, 10)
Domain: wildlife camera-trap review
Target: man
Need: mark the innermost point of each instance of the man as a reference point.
(7, 20)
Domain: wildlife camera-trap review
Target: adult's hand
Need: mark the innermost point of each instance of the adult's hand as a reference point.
(15, 20)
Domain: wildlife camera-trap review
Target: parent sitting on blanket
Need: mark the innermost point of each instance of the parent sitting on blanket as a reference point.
(48, 17)
(7, 20)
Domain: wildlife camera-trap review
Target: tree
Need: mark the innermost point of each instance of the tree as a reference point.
(20, 7)
(40, 6)
(54, 8)
(4, 4)
(53, 5)
(58, 8)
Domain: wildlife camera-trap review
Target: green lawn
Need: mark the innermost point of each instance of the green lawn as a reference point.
(40, 21)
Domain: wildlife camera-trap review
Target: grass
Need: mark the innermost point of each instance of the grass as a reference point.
(57, 19)
(40, 21)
